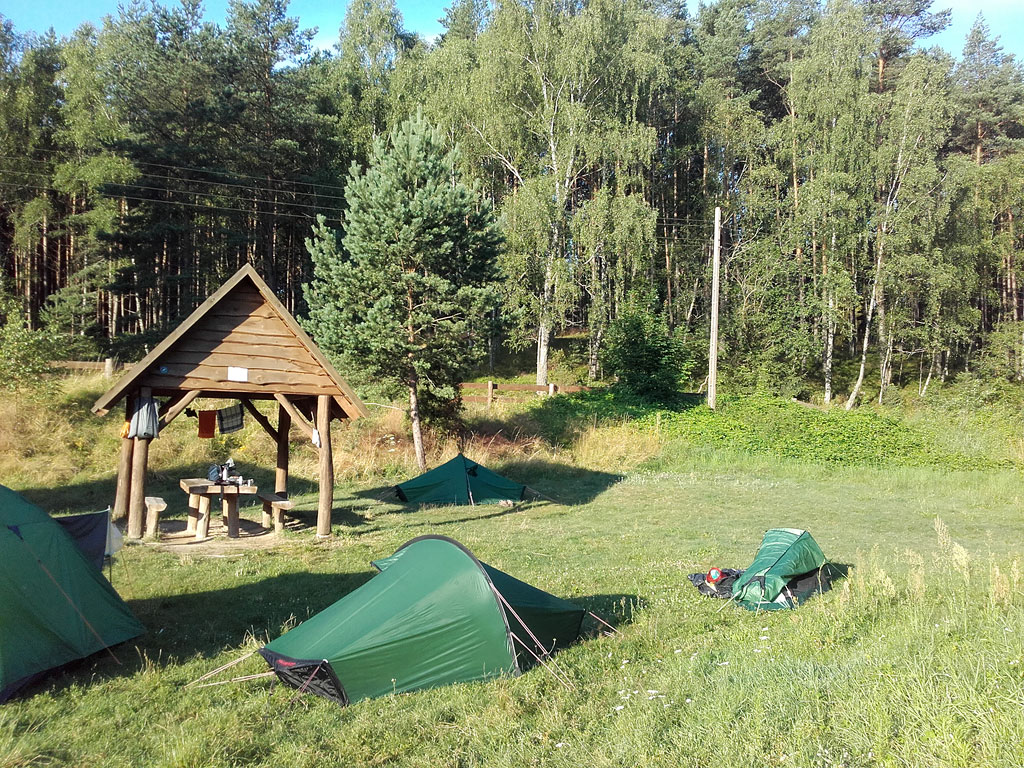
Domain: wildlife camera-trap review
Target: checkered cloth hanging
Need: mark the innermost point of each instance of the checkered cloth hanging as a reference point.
(230, 419)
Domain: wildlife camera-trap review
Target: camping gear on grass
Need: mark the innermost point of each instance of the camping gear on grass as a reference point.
(434, 615)
(460, 481)
(788, 568)
(55, 605)
(721, 586)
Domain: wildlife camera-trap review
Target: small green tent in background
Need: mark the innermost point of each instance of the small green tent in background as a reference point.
(434, 615)
(789, 567)
(55, 605)
(460, 481)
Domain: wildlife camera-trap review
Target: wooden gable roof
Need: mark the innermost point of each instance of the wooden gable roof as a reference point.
(240, 342)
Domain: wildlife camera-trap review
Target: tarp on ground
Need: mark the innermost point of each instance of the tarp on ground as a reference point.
(434, 615)
(789, 567)
(55, 605)
(459, 482)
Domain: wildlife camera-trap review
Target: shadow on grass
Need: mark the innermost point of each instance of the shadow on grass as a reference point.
(557, 420)
(98, 493)
(616, 610)
(202, 624)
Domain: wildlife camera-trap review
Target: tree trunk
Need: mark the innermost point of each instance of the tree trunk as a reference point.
(543, 343)
(830, 337)
(417, 432)
(867, 335)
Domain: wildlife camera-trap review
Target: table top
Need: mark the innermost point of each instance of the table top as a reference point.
(203, 487)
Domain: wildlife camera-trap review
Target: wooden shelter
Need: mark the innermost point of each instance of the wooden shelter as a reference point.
(241, 344)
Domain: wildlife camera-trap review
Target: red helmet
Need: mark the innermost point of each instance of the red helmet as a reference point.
(714, 576)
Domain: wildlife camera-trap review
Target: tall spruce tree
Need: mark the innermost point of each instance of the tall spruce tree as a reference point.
(405, 299)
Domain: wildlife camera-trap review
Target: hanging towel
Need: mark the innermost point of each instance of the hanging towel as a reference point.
(229, 419)
(145, 418)
(207, 423)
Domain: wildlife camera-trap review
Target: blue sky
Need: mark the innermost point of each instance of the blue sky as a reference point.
(1004, 17)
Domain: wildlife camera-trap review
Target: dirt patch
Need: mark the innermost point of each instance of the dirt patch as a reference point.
(251, 536)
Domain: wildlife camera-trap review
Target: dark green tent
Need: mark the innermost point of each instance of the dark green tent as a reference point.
(55, 605)
(434, 615)
(789, 567)
(460, 481)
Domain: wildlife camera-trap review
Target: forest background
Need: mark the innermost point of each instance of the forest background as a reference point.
(871, 188)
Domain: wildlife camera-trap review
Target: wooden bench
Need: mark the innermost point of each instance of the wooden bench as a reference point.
(154, 506)
(273, 505)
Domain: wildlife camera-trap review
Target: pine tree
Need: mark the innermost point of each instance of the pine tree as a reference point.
(405, 299)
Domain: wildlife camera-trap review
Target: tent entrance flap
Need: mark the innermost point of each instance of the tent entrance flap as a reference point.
(312, 675)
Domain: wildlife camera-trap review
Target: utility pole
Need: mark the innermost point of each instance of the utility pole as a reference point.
(713, 350)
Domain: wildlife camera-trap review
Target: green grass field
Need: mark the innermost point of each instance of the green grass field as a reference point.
(916, 659)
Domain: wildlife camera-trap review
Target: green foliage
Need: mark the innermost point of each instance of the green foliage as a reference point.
(407, 298)
(642, 353)
(777, 428)
(24, 354)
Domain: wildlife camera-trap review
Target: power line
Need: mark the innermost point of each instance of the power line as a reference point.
(189, 168)
(168, 190)
(211, 208)
(254, 188)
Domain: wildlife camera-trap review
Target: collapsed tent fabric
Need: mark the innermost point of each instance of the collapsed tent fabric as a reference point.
(789, 567)
(55, 605)
(434, 615)
(460, 481)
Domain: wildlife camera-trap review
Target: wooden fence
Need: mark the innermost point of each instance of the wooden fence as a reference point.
(493, 387)
(108, 366)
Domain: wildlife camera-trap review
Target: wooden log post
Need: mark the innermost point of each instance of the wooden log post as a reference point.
(203, 523)
(323, 425)
(490, 394)
(229, 506)
(284, 425)
(137, 498)
(124, 468)
(193, 512)
(137, 495)
(124, 479)
(552, 389)
(154, 506)
(108, 368)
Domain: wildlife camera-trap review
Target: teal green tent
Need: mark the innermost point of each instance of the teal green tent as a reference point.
(789, 567)
(434, 615)
(55, 605)
(460, 481)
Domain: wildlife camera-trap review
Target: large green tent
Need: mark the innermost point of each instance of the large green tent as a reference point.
(434, 615)
(788, 568)
(55, 605)
(460, 481)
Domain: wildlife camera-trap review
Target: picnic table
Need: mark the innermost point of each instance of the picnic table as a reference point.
(200, 495)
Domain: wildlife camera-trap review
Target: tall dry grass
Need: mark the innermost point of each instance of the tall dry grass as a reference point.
(55, 441)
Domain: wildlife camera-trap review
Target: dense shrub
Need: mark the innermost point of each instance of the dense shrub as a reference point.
(766, 425)
(644, 356)
(24, 354)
